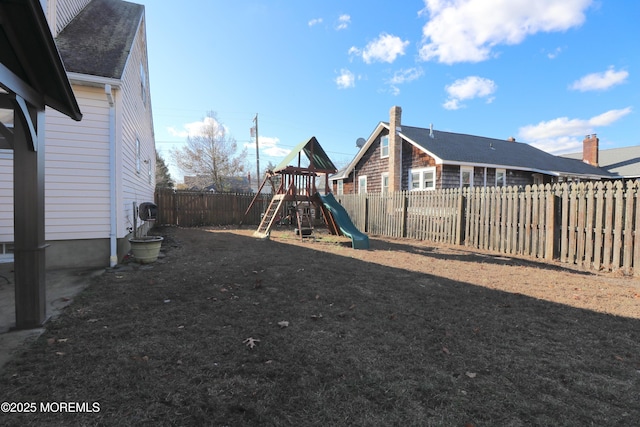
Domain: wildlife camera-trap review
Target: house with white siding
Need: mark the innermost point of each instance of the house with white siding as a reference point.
(96, 170)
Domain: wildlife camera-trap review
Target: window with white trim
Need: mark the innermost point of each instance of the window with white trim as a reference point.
(501, 177)
(384, 184)
(384, 146)
(466, 176)
(362, 184)
(422, 179)
(340, 187)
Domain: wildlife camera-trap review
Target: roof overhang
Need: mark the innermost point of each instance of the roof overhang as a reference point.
(30, 64)
(319, 162)
(93, 81)
(347, 171)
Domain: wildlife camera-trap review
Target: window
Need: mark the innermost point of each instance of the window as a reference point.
(466, 176)
(384, 146)
(422, 179)
(138, 160)
(501, 177)
(362, 184)
(385, 183)
(429, 179)
(340, 187)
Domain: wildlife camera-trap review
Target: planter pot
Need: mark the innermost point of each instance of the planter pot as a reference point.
(146, 249)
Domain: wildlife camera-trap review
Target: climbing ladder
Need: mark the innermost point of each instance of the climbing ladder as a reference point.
(269, 216)
(305, 223)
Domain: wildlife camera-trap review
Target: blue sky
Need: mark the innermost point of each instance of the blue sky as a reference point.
(547, 72)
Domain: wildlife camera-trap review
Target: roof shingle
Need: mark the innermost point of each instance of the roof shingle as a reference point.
(98, 41)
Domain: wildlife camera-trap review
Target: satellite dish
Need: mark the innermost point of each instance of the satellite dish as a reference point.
(360, 142)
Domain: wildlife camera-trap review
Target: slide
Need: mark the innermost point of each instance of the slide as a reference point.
(341, 217)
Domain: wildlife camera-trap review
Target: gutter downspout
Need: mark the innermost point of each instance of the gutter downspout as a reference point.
(113, 258)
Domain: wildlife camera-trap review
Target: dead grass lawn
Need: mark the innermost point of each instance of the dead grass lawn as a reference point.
(406, 333)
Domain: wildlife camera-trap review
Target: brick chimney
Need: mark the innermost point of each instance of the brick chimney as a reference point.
(395, 149)
(590, 149)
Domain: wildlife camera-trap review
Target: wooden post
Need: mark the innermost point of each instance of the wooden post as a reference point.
(636, 243)
(460, 216)
(28, 195)
(550, 229)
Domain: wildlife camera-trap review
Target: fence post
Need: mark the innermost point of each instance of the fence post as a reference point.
(636, 243)
(550, 229)
(405, 208)
(460, 215)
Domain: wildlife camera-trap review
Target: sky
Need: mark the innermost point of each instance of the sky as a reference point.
(547, 72)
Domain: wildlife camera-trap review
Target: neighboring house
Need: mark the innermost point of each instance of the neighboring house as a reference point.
(98, 168)
(398, 157)
(623, 162)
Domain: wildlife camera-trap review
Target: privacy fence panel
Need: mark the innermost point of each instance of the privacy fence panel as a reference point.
(592, 225)
(194, 208)
(356, 206)
(599, 226)
(388, 210)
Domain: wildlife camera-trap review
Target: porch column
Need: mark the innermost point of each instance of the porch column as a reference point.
(28, 196)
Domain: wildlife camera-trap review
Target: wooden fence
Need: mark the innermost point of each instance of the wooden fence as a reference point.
(195, 208)
(593, 225)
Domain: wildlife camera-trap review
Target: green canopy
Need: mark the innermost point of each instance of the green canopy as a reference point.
(318, 159)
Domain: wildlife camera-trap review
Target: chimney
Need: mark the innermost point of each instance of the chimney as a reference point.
(590, 149)
(395, 149)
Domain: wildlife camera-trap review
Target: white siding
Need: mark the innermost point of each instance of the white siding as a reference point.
(6, 196)
(61, 12)
(137, 123)
(77, 170)
(76, 173)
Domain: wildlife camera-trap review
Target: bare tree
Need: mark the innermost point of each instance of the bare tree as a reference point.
(211, 156)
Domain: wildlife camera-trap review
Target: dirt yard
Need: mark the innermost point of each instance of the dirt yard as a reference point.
(226, 329)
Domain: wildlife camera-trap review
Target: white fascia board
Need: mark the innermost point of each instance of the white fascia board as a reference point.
(91, 80)
(437, 159)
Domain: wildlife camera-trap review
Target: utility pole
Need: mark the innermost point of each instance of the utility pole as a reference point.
(255, 129)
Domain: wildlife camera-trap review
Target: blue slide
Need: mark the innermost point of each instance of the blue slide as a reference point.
(341, 217)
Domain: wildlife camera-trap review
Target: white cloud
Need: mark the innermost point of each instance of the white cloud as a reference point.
(269, 146)
(403, 76)
(386, 48)
(564, 135)
(600, 81)
(196, 129)
(346, 79)
(555, 53)
(469, 88)
(406, 76)
(315, 21)
(343, 22)
(469, 30)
